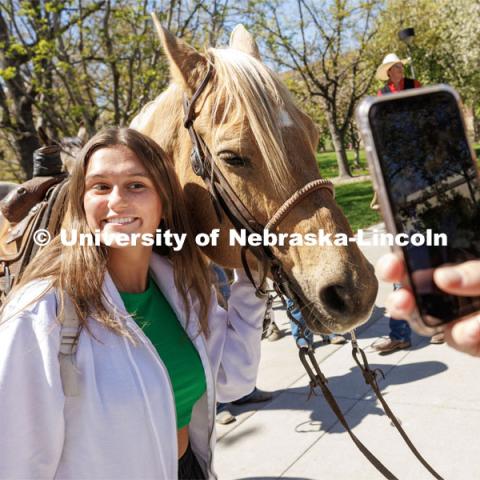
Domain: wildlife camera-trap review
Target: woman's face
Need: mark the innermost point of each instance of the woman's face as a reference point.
(120, 196)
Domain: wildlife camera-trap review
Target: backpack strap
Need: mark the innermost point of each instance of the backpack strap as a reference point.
(69, 329)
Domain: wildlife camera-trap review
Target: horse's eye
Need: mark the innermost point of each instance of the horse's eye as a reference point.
(232, 159)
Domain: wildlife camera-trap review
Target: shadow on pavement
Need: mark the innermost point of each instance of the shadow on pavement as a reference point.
(348, 390)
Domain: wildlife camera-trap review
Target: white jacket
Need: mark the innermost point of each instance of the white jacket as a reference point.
(123, 423)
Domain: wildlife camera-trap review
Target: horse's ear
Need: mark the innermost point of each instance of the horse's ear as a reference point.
(242, 40)
(186, 64)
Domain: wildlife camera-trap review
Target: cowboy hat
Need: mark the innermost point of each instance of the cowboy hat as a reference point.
(388, 62)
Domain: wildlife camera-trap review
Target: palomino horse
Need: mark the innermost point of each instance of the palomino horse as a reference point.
(265, 148)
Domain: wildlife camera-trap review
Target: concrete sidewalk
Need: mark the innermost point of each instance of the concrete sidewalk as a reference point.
(433, 390)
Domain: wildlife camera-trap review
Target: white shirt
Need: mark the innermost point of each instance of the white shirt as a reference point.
(123, 423)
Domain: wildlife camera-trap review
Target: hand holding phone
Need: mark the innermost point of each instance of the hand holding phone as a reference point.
(463, 334)
(427, 182)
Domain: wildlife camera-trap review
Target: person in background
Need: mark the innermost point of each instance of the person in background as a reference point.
(297, 324)
(391, 71)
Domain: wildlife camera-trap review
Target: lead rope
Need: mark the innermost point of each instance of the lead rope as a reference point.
(370, 377)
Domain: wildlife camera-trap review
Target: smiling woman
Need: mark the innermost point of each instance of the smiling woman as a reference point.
(153, 348)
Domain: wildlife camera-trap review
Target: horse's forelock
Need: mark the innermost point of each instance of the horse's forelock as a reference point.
(246, 87)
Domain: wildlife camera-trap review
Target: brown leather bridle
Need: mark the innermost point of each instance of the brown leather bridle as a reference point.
(226, 201)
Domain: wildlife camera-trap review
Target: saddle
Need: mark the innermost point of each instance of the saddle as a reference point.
(38, 203)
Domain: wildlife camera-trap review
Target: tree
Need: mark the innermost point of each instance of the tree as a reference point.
(326, 47)
(91, 63)
(446, 47)
(27, 33)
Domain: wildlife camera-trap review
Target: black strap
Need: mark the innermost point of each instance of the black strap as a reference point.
(370, 377)
(318, 379)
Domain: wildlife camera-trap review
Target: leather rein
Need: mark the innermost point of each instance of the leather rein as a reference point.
(226, 201)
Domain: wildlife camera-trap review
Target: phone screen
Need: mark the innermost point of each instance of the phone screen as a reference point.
(433, 186)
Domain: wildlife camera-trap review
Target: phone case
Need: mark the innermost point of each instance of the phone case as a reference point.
(362, 117)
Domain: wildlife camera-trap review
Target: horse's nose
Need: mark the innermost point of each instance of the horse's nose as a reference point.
(347, 298)
(336, 299)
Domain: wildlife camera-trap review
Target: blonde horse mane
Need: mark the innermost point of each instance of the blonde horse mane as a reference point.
(247, 88)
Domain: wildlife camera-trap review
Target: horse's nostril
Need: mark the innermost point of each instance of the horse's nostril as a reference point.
(333, 297)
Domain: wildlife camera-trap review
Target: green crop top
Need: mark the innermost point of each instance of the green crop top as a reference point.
(158, 321)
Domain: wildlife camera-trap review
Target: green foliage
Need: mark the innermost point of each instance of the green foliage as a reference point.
(446, 47)
(54, 7)
(27, 9)
(16, 49)
(8, 73)
(44, 49)
(354, 199)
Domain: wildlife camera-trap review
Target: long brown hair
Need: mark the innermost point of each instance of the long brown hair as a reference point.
(79, 270)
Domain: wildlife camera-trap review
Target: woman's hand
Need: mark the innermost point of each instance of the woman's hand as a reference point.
(463, 333)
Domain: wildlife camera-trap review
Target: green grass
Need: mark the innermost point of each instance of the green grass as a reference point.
(327, 162)
(355, 198)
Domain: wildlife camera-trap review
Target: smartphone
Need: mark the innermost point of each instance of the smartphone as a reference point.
(426, 177)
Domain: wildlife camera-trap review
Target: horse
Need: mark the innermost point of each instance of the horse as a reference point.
(264, 146)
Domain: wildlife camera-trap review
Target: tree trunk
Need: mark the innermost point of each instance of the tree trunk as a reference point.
(476, 122)
(356, 161)
(338, 144)
(337, 141)
(25, 144)
(24, 132)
